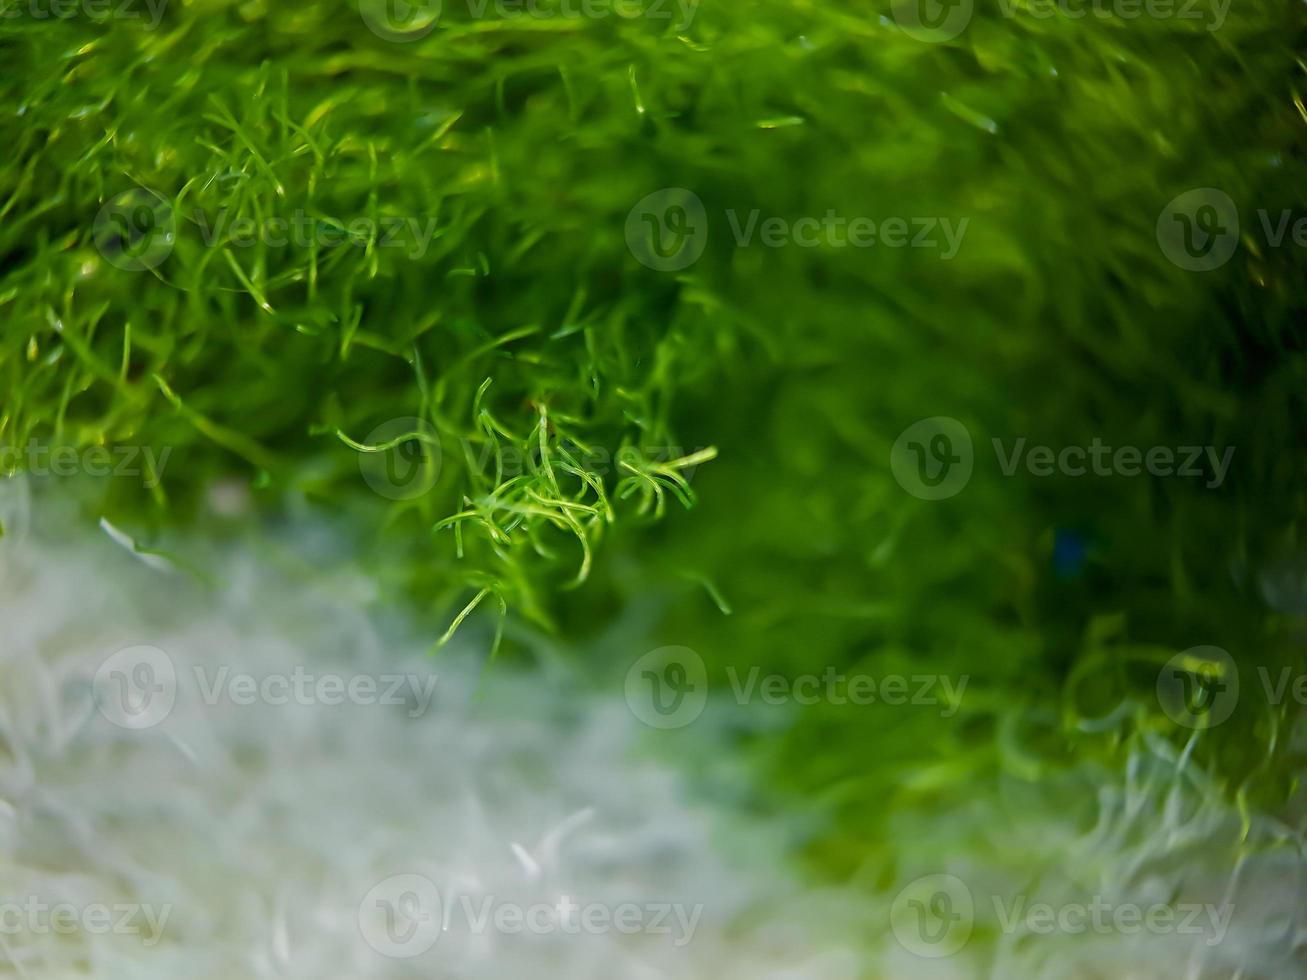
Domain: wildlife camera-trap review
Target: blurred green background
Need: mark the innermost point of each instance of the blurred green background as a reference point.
(528, 141)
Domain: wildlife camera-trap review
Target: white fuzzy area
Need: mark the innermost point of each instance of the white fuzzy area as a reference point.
(264, 827)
